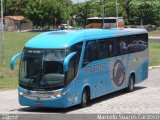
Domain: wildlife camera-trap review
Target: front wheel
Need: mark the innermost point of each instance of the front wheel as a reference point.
(131, 84)
(84, 99)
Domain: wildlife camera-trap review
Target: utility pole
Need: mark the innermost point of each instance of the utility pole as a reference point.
(103, 14)
(117, 12)
(2, 25)
(67, 16)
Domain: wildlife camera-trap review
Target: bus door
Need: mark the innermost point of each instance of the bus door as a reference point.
(93, 69)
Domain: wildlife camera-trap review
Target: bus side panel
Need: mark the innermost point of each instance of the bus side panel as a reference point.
(143, 66)
(73, 96)
(138, 64)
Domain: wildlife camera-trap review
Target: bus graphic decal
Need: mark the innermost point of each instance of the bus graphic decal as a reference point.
(95, 68)
(118, 73)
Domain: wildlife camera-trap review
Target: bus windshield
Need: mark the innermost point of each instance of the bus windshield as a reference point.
(41, 69)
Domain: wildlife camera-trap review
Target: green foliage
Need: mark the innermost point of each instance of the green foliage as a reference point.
(14, 7)
(154, 54)
(133, 11)
(41, 12)
(14, 43)
(44, 12)
(143, 10)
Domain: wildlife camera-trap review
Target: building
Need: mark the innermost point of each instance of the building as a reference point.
(17, 23)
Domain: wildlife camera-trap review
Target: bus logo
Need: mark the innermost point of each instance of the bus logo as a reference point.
(118, 73)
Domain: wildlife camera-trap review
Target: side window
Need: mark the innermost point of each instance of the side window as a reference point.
(74, 62)
(71, 71)
(116, 49)
(110, 47)
(78, 49)
(102, 49)
(123, 43)
(143, 42)
(138, 43)
(133, 45)
(90, 52)
(105, 48)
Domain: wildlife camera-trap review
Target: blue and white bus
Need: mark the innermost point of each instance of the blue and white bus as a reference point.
(60, 69)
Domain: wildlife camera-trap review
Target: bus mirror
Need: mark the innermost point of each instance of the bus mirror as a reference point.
(13, 59)
(67, 59)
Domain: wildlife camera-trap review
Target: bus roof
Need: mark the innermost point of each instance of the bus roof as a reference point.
(67, 38)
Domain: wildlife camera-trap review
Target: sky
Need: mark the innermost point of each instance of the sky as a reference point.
(75, 1)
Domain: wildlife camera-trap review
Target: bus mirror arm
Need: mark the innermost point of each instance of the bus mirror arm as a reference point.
(84, 64)
(13, 59)
(67, 59)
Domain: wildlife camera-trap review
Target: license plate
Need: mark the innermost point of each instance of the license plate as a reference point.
(39, 103)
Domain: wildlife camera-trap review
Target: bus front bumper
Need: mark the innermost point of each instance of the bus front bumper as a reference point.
(26, 99)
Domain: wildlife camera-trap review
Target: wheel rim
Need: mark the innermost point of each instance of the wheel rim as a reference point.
(84, 98)
(131, 84)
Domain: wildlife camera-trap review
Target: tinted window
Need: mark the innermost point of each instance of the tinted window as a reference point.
(74, 62)
(77, 48)
(138, 43)
(99, 49)
(94, 21)
(116, 49)
(106, 48)
(110, 20)
(110, 47)
(123, 44)
(90, 51)
(102, 49)
(71, 71)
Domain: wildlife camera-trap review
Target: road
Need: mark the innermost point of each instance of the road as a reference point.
(144, 100)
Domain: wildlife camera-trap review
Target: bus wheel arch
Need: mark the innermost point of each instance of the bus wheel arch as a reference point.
(131, 82)
(85, 96)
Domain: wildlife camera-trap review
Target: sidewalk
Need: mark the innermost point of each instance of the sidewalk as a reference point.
(154, 39)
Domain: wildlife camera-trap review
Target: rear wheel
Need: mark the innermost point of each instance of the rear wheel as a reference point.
(131, 84)
(84, 99)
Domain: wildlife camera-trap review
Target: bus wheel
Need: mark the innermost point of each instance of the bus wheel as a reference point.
(84, 99)
(131, 84)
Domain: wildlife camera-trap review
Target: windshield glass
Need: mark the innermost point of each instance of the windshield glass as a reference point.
(42, 68)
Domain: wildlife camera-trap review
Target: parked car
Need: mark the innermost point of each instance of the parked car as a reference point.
(65, 27)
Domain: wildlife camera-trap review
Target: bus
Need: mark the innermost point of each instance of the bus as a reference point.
(59, 69)
(109, 22)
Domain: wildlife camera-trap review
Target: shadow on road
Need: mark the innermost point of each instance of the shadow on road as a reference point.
(94, 101)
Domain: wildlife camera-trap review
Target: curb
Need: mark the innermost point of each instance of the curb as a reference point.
(154, 67)
(151, 37)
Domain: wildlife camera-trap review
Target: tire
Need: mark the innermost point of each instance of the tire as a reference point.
(131, 83)
(84, 99)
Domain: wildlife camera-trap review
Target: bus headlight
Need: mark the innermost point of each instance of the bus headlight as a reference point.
(57, 93)
(20, 93)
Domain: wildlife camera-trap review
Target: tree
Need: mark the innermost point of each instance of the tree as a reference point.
(14, 7)
(45, 12)
(54, 12)
(144, 10)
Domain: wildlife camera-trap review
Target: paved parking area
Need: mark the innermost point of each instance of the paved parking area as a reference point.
(145, 99)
